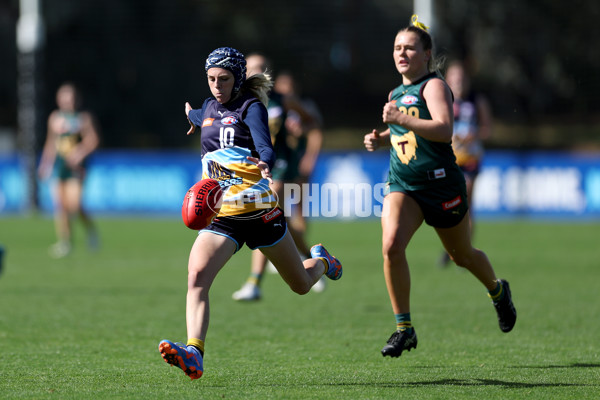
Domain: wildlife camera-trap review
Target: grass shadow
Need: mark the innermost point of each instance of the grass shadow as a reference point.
(487, 382)
(574, 365)
(440, 382)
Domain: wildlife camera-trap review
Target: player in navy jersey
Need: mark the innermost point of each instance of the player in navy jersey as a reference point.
(425, 184)
(237, 152)
(72, 137)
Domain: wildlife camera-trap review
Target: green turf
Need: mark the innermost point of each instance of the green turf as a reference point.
(88, 326)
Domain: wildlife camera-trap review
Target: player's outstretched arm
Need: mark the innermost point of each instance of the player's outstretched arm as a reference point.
(188, 108)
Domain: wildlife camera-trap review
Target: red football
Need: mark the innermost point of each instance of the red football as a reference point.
(201, 204)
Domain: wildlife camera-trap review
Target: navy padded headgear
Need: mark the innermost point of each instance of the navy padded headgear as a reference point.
(231, 60)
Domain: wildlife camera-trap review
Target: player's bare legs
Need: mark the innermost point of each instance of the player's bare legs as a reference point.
(258, 262)
(209, 254)
(62, 221)
(401, 218)
(74, 193)
(469, 181)
(63, 227)
(300, 276)
(297, 227)
(250, 290)
(68, 207)
(457, 242)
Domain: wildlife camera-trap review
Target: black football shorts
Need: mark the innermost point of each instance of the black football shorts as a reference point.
(256, 229)
(442, 206)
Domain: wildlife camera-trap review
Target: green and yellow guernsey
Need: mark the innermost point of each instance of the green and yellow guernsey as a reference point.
(415, 162)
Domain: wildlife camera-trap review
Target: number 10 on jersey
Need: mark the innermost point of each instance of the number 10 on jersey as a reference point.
(226, 137)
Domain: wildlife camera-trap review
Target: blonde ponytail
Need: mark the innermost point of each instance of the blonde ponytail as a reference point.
(260, 86)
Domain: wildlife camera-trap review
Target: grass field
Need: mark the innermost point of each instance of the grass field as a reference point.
(88, 326)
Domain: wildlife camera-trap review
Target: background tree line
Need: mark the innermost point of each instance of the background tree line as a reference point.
(138, 62)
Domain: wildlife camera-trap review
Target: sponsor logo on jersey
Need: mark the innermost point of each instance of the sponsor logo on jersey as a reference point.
(223, 175)
(439, 173)
(274, 213)
(207, 122)
(408, 100)
(447, 205)
(436, 174)
(229, 121)
(226, 181)
(252, 197)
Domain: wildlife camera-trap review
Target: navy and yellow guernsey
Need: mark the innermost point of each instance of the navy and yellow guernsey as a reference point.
(227, 142)
(415, 162)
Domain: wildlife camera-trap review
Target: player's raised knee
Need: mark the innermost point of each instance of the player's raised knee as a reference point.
(300, 287)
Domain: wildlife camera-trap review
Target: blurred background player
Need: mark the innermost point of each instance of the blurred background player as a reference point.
(296, 136)
(472, 125)
(305, 141)
(72, 137)
(425, 184)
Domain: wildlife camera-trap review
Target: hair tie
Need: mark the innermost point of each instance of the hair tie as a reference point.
(418, 24)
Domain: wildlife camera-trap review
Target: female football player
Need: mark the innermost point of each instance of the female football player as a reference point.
(72, 137)
(237, 152)
(424, 184)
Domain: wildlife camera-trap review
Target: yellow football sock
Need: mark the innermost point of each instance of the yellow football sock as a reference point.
(325, 263)
(197, 343)
(254, 278)
(403, 322)
(497, 293)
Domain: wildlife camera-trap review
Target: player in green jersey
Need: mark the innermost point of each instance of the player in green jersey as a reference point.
(72, 137)
(425, 184)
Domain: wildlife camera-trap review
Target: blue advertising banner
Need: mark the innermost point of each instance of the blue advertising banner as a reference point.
(539, 185)
(345, 185)
(116, 182)
(549, 185)
(13, 184)
(141, 182)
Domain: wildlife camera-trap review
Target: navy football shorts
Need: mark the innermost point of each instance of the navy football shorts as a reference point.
(257, 229)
